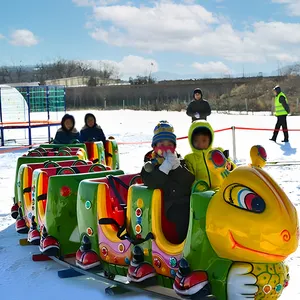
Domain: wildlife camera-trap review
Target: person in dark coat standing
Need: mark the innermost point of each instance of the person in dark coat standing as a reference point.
(67, 132)
(91, 131)
(199, 108)
(282, 109)
(164, 169)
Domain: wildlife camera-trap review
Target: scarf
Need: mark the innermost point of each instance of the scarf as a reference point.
(156, 159)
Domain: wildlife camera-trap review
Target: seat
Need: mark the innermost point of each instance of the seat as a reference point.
(168, 227)
(114, 194)
(164, 230)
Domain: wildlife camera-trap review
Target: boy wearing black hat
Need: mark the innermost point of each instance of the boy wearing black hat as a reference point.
(198, 109)
(164, 169)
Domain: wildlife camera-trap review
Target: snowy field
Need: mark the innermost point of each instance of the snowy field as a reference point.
(20, 277)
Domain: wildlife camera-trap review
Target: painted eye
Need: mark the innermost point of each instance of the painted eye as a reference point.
(244, 198)
(251, 201)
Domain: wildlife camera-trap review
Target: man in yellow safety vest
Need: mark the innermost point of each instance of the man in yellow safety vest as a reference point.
(282, 109)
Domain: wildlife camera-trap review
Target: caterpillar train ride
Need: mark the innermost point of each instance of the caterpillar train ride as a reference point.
(82, 211)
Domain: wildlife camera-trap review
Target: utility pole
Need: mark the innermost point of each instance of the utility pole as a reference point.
(278, 69)
(150, 70)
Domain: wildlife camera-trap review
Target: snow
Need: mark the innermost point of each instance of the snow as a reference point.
(20, 276)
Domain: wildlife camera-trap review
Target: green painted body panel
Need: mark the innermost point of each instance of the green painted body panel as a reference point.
(32, 159)
(80, 145)
(142, 192)
(198, 250)
(61, 212)
(101, 152)
(116, 158)
(87, 209)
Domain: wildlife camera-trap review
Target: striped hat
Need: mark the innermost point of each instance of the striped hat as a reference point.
(163, 131)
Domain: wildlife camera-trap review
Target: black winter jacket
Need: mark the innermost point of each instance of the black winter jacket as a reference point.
(198, 106)
(176, 186)
(63, 136)
(89, 134)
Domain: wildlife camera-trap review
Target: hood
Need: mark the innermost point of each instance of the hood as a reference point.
(197, 90)
(87, 116)
(66, 117)
(197, 126)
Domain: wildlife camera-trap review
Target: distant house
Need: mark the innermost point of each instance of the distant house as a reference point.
(37, 83)
(79, 81)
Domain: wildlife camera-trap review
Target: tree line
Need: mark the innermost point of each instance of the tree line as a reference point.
(60, 68)
(63, 68)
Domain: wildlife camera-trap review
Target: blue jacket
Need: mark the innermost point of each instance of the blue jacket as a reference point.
(89, 134)
(66, 137)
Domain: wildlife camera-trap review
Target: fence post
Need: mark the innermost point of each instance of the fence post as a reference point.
(29, 119)
(123, 104)
(233, 144)
(140, 102)
(246, 104)
(297, 106)
(104, 103)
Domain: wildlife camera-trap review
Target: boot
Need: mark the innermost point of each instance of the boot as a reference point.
(188, 283)
(274, 137)
(139, 270)
(48, 244)
(33, 234)
(14, 211)
(286, 137)
(86, 258)
(21, 226)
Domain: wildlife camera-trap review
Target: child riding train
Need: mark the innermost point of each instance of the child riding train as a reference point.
(165, 169)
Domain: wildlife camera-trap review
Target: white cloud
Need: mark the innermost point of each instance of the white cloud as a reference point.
(189, 1)
(168, 26)
(130, 65)
(179, 65)
(2, 36)
(23, 37)
(283, 57)
(212, 67)
(293, 6)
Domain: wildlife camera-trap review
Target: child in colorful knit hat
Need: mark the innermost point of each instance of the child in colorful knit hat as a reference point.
(164, 169)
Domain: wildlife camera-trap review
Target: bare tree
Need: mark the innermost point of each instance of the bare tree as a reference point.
(5, 74)
(292, 70)
(20, 71)
(84, 68)
(60, 68)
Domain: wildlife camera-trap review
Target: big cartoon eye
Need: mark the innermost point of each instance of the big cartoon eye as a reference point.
(244, 198)
(251, 201)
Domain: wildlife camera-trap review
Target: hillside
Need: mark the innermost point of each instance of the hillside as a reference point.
(223, 94)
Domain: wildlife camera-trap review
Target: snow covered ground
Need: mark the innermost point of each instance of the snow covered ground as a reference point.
(20, 277)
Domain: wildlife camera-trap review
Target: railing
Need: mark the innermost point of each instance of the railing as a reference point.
(234, 150)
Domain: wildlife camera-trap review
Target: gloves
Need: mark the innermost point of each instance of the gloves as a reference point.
(173, 159)
(171, 162)
(197, 115)
(165, 167)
